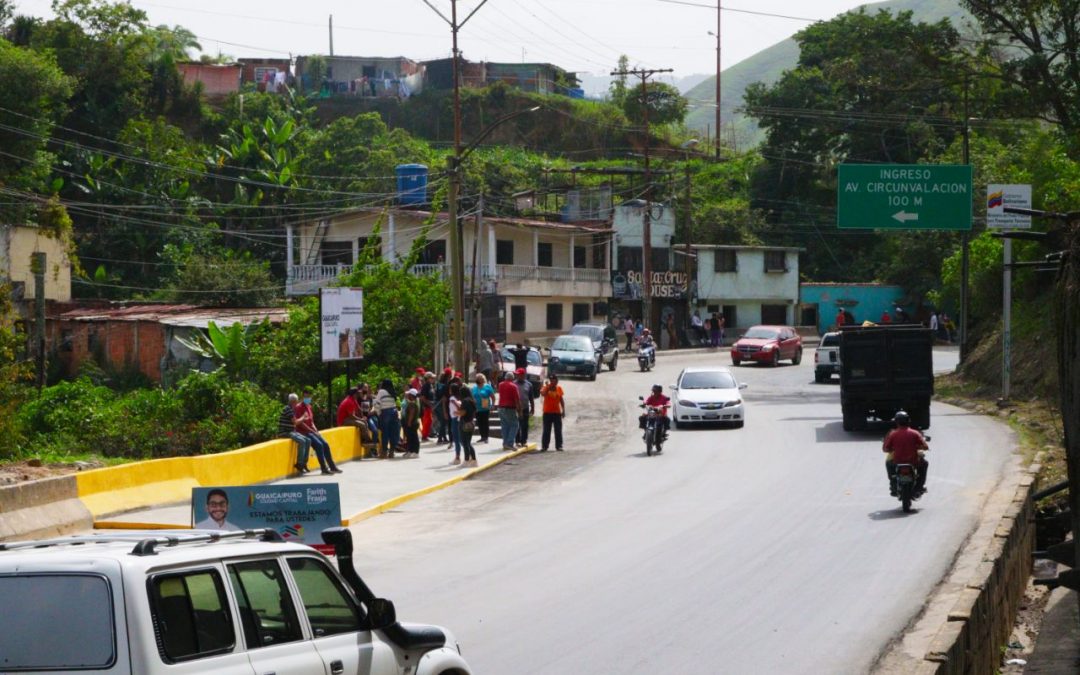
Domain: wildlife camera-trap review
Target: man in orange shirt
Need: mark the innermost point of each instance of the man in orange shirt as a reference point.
(554, 412)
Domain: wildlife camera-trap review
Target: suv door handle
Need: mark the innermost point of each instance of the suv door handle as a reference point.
(337, 667)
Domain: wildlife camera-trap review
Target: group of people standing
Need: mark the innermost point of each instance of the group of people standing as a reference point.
(444, 409)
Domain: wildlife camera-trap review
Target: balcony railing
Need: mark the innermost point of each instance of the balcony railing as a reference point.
(308, 278)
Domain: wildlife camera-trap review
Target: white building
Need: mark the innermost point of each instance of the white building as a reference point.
(17, 244)
(535, 279)
(748, 284)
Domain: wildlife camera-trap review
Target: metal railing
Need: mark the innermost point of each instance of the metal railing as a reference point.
(308, 274)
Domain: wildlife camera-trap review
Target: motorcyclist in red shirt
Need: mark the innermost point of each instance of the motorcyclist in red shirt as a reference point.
(905, 445)
(658, 400)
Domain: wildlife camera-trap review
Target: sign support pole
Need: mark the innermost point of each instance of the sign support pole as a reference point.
(1006, 317)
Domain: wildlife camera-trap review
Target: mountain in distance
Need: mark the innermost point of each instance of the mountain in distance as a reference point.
(769, 64)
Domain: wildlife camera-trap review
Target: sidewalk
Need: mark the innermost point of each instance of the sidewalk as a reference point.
(1057, 648)
(368, 487)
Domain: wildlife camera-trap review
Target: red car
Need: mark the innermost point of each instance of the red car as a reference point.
(768, 344)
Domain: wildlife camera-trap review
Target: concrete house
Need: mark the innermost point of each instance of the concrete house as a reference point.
(217, 79)
(266, 74)
(17, 244)
(748, 284)
(533, 279)
(368, 76)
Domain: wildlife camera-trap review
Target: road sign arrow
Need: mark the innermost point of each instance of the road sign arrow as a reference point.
(904, 216)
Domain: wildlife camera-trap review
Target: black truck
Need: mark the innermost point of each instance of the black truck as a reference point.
(884, 369)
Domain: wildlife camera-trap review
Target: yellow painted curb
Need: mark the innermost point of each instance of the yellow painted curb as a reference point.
(118, 525)
(397, 501)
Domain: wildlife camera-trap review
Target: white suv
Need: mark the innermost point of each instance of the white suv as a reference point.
(190, 602)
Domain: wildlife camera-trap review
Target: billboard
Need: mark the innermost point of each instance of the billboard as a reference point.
(628, 284)
(998, 197)
(298, 512)
(341, 322)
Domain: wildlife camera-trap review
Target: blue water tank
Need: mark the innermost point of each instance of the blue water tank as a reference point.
(412, 182)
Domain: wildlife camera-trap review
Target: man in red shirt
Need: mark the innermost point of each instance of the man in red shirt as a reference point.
(305, 424)
(903, 445)
(658, 400)
(509, 401)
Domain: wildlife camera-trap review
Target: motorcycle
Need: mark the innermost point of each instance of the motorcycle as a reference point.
(646, 357)
(654, 435)
(904, 481)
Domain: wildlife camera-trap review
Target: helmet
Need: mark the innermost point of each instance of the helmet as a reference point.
(902, 418)
(657, 388)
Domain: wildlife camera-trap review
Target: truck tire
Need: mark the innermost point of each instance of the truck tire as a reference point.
(921, 417)
(849, 418)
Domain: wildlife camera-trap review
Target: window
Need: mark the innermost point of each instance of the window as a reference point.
(544, 255)
(629, 258)
(554, 316)
(41, 632)
(776, 261)
(774, 315)
(434, 253)
(581, 312)
(329, 609)
(504, 252)
(266, 608)
(725, 260)
(336, 253)
(190, 615)
(579, 257)
(517, 318)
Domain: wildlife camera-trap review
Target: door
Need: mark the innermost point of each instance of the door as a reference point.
(337, 623)
(272, 630)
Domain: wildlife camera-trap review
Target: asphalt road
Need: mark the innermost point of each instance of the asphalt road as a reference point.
(774, 548)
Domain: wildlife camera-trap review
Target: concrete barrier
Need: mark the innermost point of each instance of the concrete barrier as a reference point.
(980, 622)
(42, 508)
(156, 482)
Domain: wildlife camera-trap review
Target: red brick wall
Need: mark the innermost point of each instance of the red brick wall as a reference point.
(215, 79)
(122, 343)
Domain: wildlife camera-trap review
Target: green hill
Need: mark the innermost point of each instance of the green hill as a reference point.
(769, 64)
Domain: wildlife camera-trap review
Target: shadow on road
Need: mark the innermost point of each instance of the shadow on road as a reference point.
(891, 514)
(833, 432)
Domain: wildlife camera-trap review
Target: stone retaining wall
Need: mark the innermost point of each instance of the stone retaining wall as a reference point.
(980, 622)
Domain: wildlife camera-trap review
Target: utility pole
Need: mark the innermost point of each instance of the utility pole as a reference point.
(718, 96)
(646, 228)
(965, 239)
(453, 167)
(37, 266)
(331, 35)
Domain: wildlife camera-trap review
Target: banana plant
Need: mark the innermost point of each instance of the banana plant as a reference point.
(227, 348)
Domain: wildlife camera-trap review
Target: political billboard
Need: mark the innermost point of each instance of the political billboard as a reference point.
(298, 512)
(341, 322)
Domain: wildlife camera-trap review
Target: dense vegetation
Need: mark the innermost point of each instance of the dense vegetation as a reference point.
(163, 196)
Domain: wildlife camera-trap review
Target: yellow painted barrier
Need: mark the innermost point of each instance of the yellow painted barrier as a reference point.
(167, 481)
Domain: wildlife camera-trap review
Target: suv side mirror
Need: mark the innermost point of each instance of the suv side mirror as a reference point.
(381, 613)
(742, 385)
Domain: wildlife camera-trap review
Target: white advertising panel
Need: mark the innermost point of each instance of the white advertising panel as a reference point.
(1000, 196)
(342, 323)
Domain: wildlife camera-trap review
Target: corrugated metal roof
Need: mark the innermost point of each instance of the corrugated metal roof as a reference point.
(176, 315)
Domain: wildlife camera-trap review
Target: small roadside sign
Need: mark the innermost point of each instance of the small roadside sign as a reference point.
(904, 196)
(998, 197)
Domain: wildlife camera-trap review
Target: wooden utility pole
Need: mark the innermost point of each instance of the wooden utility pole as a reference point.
(37, 266)
(646, 228)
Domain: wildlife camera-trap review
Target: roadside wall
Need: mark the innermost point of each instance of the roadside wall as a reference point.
(979, 624)
(42, 508)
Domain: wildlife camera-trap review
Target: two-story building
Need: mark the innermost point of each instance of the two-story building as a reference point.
(532, 279)
(17, 244)
(669, 285)
(748, 285)
(370, 76)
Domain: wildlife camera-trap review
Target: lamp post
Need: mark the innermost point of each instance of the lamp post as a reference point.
(457, 240)
(689, 225)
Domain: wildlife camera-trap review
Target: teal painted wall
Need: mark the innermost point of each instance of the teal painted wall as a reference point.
(865, 301)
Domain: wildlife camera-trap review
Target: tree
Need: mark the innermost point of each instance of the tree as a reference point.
(666, 105)
(221, 278)
(226, 347)
(1042, 58)
(617, 90)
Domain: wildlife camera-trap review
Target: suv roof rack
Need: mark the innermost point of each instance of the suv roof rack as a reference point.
(148, 545)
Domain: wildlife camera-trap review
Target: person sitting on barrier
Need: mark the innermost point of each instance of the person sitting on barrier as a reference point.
(287, 429)
(305, 424)
(904, 445)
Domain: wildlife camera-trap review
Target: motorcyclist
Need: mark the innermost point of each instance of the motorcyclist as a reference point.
(661, 402)
(904, 445)
(646, 339)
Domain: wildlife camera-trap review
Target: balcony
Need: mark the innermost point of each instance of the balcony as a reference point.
(526, 280)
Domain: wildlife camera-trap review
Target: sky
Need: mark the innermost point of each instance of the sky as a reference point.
(585, 36)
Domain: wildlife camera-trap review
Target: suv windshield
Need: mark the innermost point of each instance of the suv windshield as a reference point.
(762, 334)
(572, 343)
(594, 333)
(707, 380)
(45, 634)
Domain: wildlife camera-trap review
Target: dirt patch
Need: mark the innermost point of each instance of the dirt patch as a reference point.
(12, 473)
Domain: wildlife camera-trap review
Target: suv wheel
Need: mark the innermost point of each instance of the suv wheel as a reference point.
(614, 361)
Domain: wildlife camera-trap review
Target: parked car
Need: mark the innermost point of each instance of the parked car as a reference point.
(604, 341)
(534, 371)
(149, 603)
(707, 394)
(574, 355)
(768, 344)
(827, 357)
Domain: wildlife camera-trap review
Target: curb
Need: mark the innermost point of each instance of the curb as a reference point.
(369, 512)
(373, 511)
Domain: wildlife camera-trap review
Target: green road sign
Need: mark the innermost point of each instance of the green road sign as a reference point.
(904, 197)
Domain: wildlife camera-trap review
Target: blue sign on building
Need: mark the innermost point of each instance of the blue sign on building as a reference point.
(298, 512)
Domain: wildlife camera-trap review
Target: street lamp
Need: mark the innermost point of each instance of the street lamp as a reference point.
(457, 245)
(688, 230)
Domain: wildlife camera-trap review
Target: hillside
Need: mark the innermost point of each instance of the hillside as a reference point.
(768, 64)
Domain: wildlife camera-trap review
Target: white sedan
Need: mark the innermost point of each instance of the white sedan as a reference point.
(707, 395)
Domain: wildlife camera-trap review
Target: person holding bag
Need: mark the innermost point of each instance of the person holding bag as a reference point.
(467, 424)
